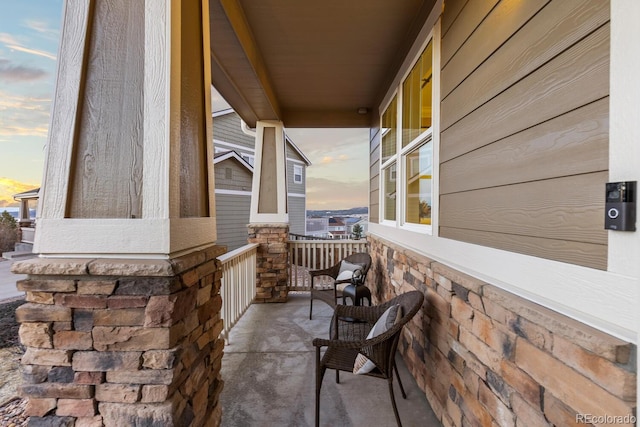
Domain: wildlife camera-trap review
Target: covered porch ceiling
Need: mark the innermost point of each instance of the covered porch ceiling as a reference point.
(310, 64)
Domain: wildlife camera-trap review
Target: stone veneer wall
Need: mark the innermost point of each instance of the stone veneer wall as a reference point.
(122, 342)
(272, 261)
(486, 357)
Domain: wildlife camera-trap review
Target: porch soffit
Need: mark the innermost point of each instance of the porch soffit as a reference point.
(310, 64)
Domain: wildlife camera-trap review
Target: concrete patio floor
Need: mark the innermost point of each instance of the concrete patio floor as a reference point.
(269, 373)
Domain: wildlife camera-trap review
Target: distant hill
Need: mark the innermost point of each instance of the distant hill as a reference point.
(15, 211)
(338, 212)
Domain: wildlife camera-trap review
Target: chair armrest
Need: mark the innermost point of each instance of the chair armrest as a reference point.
(324, 272)
(359, 312)
(329, 271)
(321, 342)
(357, 344)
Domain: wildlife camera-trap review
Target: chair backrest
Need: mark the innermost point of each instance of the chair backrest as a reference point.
(410, 302)
(361, 258)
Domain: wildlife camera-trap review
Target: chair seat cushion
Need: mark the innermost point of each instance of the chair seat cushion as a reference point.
(362, 364)
(340, 286)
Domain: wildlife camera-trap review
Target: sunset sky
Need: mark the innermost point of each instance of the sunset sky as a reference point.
(29, 34)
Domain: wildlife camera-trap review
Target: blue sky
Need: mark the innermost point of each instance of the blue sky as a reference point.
(29, 35)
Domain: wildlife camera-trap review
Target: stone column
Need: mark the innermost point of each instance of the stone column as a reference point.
(269, 213)
(122, 342)
(272, 271)
(122, 317)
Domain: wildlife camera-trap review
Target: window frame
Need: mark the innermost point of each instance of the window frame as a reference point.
(301, 169)
(401, 153)
(249, 158)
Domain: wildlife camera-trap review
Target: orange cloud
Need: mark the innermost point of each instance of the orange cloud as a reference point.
(9, 187)
(326, 160)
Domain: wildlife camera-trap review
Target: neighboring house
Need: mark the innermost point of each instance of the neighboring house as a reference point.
(26, 221)
(337, 228)
(234, 159)
(318, 227)
(351, 222)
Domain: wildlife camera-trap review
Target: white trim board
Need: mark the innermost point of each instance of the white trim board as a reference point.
(232, 145)
(233, 192)
(601, 299)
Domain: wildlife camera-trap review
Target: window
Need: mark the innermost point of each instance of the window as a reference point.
(418, 185)
(406, 172)
(249, 158)
(416, 97)
(297, 174)
(389, 189)
(389, 130)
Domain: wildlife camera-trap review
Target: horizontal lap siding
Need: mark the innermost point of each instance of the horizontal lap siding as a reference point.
(232, 213)
(525, 124)
(227, 128)
(241, 177)
(297, 215)
(292, 186)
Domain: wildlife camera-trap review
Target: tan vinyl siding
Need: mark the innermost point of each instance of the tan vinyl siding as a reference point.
(374, 175)
(297, 214)
(232, 213)
(524, 127)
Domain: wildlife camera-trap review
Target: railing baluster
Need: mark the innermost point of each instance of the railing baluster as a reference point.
(238, 284)
(308, 255)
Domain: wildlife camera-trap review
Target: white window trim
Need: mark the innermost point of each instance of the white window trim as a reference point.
(249, 158)
(432, 134)
(415, 144)
(381, 186)
(300, 170)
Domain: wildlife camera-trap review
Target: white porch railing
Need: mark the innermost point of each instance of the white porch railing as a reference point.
(305, 255)
(238, 284)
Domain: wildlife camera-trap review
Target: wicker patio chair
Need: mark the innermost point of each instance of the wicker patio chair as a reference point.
(349, 338)
(331, 295)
